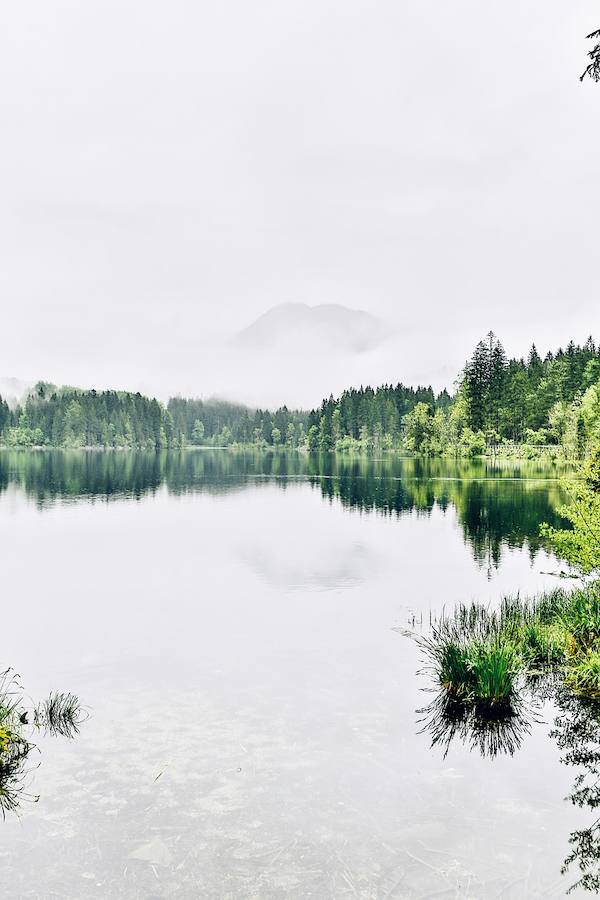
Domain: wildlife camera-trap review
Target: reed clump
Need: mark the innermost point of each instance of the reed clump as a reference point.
(480, 657)
(583, 675)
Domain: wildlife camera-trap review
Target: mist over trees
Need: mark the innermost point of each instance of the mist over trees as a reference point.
(218, 423)
(500, 404)
(68, 417)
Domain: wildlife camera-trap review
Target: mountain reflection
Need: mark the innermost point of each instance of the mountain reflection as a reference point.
(497, 505)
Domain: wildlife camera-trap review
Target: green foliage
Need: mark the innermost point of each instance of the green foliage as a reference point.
(527, 407)
(580, 619)
(580, 544)
(418, 428)
(59, 714)
(478, 655)
(542, 645)
(218, 423)
(583, 675)
(313, 438)
(484, 384)
(479, 672)
(537, 402)
(550, 406)
(475, 656)
(73, 418)
(197, 432)
(493, 666)
(472, 443)
(371, 420)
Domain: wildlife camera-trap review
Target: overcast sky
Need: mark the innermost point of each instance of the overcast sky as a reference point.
(171, 170)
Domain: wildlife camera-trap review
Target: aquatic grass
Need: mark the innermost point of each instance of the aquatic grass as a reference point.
(543, 645)
(547, 607)
(10, 694)
(454, 672)
(473, 655)
(479, 655)
(60, 714)
(494, 668)
(580, 618)
(583, 675)
(479, 672)
(13, 758)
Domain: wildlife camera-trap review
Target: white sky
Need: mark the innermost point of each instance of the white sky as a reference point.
(170, 170)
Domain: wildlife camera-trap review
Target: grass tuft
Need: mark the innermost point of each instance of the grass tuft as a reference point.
(583, 675)
(480, 657)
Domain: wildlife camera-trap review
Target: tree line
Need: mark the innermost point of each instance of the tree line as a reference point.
(368, 418)
(68, 417)
(74, 418)
(218, 423)
(499, 404)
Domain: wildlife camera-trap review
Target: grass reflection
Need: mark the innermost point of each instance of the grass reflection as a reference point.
(492, 732)
(491, 672)
(60, 714)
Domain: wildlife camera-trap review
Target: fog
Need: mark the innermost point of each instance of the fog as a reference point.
(169, 172)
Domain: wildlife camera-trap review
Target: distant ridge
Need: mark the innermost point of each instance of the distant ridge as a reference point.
(337, 326)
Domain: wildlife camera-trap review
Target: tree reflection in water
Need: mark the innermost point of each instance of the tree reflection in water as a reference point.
(577, 734)
(497, 505)
(576, 731)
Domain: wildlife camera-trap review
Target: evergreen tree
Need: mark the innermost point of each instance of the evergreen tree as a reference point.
(197, 432)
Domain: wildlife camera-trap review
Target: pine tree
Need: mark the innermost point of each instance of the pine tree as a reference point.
(198, 432)
(497, 383)
(476, 385)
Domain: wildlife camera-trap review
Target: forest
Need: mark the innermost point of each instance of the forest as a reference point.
(500, 405)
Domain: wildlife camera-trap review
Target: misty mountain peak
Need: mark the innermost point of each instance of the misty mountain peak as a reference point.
(336, 326)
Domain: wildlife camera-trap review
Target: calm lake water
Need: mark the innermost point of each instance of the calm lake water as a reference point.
(230, 620)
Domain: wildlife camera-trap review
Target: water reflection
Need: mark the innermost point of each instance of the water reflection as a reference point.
(576, 731)
(497, 504)
(61, 714)
(491, 733)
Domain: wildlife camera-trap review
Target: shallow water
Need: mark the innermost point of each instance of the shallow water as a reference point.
(230, 620)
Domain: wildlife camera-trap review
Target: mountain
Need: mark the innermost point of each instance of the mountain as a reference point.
(299, 325)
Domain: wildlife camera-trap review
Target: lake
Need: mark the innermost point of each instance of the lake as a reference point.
(232, 621)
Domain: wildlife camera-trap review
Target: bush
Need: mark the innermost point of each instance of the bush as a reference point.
(580, 619)
(473, 442)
